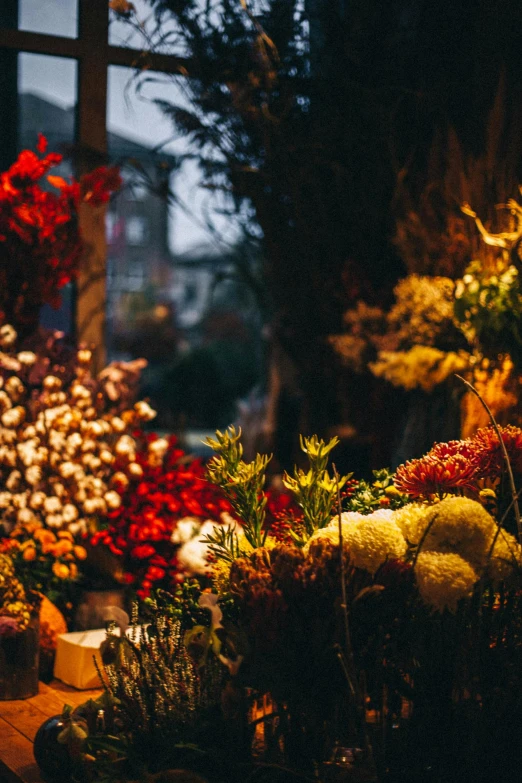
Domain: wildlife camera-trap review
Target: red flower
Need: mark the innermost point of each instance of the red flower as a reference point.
(434, 475)
(488, 452)
(40, 241)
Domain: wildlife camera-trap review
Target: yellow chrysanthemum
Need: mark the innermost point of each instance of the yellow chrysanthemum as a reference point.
(373, 540)
(506, 556)
(411, 519)
(331, 531)
(461, 526)
(443, 579)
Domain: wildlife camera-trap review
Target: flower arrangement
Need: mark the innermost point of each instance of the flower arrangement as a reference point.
(40, 241)
(68, 440)
(15, 610)
(438, 327)
(390, 603)
(158, 533)
(164, 507)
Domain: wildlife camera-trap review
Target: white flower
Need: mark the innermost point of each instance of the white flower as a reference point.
(193, 555)
(13, 417)
(159, 446)
(52, 505)
(185, 530)
(14, 387)
(112, 499)
(52, 383)
(26, 358)
(144, 411)
(106, 457)
(36, 500)
(117, 424)
(13, 480)
(5, 499)
(67, 470)
(69, 513)
(7, 336)
(135, 470)
(5, 402)
(25, 516)
(125, 446)
(33, 475)
(54, 520)
(19, 500)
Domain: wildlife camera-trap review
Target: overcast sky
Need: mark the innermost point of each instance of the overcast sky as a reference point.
(56, 78)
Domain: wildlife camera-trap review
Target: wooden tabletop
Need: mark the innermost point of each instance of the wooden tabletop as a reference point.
(19, 722)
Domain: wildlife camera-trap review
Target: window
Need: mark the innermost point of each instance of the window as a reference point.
(159, 280)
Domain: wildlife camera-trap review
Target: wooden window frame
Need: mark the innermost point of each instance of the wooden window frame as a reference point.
(94, 55)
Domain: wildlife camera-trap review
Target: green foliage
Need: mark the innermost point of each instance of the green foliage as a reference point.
(488, 308)
(380, 493)
(315, 491)
(243, 484)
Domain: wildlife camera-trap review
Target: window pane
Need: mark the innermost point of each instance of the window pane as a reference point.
(173, 293)
(143, 30)
(46, 104)
(53, 17)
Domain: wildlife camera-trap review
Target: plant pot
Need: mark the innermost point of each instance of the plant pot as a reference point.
(19, 661)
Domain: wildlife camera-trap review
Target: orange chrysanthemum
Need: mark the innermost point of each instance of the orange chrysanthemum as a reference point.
(435, 475)
(489, 456)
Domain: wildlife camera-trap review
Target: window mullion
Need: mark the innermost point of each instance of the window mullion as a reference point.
(92, 141)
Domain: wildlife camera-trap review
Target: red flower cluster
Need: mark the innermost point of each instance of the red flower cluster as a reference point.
(139, 532)
(433, 475)
(461, 464)
(40, 242)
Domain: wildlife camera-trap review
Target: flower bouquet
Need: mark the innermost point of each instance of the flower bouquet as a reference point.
(40, 241)
(381, 628)
(19, 636)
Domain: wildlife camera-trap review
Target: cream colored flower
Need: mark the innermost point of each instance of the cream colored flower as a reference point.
(14, 388)
(52, 505)
(373, 540)
(19, 500)
(106, 457)
(5, 402)
(144, 411)
(25, 516)
(112, 499)
(506, 556)
(67, 470)
(54, 520)
(69, 513)
(8, 336)
(36, 500)
(411, 519)
(135, 470)
(13, 480)
(13, 417)
(125, 447)
(84, 356)
(443, 579)
(33, 475)
(459, 525)
(117, 424)
(26, 358)
(5, 499)
(52, 383)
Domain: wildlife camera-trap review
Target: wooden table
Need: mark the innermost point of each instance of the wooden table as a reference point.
(19, 722)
